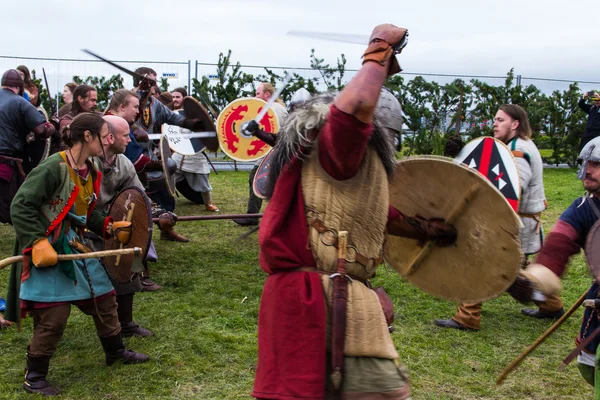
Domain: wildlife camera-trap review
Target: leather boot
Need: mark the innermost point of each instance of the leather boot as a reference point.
(35, 376)
(173, 236)
(130, 329)
(245, 221)
(125, 312)
(115, 350)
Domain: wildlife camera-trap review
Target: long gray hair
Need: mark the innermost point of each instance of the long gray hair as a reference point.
(300, 131)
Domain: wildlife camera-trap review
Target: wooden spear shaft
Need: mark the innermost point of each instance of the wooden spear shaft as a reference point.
(543, 337)
(79, 256)
(211, 217)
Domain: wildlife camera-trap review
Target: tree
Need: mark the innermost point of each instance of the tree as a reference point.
(231, 85)
(104, 87)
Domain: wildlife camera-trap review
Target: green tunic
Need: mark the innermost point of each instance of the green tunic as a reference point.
(54, 203)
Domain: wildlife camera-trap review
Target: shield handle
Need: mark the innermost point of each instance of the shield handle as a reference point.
(455, 213)
(128, 219)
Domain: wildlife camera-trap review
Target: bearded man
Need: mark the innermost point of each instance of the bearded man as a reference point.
(332, 157)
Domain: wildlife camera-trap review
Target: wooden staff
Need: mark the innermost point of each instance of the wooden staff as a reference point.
(79, 256)
(543, 337)
(211, 217)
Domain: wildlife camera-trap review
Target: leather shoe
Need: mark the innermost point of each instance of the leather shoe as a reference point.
(130, 329)
(245, 221)
(211, 207)
(173, 236)
(531, 312)
(148, 285)
(450, 323)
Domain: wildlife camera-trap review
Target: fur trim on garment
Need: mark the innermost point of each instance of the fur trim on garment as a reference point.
(301, 129)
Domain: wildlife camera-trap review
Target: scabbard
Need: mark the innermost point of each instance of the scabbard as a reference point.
(338, 316)
(572, 355)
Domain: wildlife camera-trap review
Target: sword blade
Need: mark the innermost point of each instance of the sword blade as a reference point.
(273, 98)
(335, 37)
(191, 135)
(127, 71)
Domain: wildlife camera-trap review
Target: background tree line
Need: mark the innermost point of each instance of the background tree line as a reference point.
(432, 112)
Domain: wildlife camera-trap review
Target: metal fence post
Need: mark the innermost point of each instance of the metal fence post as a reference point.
(195, 74)
(190, 76)
(518, 80)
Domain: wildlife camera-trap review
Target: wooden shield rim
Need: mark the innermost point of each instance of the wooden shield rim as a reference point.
(230, 105)
(212, 144)
(504, 146)
(262, 165)
(510, 264)
(110, 260)
(165, 154)
(590, 250)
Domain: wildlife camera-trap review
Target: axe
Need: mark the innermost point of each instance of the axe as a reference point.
(81, 256)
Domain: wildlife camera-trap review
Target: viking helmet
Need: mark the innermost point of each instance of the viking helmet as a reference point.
(388, 111)
(590, 152)
(12, 78)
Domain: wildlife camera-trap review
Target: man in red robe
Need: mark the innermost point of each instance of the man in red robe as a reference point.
(329, 174)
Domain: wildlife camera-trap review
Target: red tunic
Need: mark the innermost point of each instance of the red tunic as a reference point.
(291, 320)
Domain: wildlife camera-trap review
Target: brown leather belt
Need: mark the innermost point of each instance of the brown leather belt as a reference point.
(313, 269)
(537, 217)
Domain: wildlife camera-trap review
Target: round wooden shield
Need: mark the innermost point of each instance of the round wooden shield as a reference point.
(486, 257)
(165, 155)
(495, 161)
(193, 109)
(181, 144)
(131, 201)
(592, 249)
(259, 185)
(233, 141)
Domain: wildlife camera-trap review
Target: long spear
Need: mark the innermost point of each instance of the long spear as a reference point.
(211, 217)
(543, 337)
(53, 108)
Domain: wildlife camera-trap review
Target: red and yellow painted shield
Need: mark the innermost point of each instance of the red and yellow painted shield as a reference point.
(233, 141)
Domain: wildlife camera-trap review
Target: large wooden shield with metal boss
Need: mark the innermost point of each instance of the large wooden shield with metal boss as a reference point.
(236, 143)
(495, 161)
(131, 204)
(259, 185)
(486, 257)
(592, 249)
(165, 155)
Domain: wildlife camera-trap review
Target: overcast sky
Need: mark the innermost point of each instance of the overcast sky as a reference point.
(548, 39)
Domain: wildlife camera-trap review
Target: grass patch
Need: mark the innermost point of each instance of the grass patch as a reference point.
(204, 321)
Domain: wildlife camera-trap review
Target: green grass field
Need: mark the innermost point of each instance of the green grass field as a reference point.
(205, 324)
